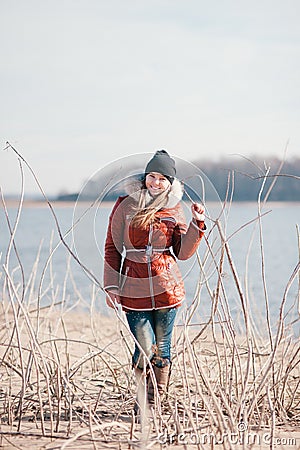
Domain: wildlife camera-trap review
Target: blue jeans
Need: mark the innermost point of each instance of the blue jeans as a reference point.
(153, 332)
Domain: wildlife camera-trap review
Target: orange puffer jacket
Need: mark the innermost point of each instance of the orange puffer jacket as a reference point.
(141, 263)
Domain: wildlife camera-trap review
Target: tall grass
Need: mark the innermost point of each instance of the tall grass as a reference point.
(66, 373)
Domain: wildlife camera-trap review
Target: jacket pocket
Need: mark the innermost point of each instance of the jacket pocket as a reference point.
(175, 274)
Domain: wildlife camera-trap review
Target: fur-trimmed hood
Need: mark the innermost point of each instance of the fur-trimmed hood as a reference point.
(133, 188)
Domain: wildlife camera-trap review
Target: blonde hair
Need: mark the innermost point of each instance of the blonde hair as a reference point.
(145, 210)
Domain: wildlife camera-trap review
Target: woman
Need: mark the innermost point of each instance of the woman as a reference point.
(146, 233)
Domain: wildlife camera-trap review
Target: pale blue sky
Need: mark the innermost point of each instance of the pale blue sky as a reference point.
(84, 82)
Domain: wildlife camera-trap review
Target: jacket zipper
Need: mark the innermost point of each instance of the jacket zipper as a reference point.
(149, 254)
(123, 279)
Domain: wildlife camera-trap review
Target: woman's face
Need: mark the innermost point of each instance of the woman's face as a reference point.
(156, 183)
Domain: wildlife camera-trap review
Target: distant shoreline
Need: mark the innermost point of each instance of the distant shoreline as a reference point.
(14, 203)
(43, 204)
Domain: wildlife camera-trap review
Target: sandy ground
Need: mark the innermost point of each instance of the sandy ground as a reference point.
(93, 355)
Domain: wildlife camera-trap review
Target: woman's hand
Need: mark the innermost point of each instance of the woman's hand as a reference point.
(198, 211)
(112, 298)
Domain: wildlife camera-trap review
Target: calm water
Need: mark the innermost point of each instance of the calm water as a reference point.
(64, 279)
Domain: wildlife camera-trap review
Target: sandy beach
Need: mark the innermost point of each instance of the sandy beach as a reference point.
(67, 382)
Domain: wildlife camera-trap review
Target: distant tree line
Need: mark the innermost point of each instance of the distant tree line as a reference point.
(245, 175)
(248, 175)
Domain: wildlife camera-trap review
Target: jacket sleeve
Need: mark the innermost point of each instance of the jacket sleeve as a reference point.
(186, 239)
(113, 247)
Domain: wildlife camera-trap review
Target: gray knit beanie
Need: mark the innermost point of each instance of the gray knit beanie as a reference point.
(162, 163)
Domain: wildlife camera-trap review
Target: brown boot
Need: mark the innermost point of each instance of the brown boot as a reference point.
(162, 378)
(150, 388)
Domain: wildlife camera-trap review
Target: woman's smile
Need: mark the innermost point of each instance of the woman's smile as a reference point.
(156, 183)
